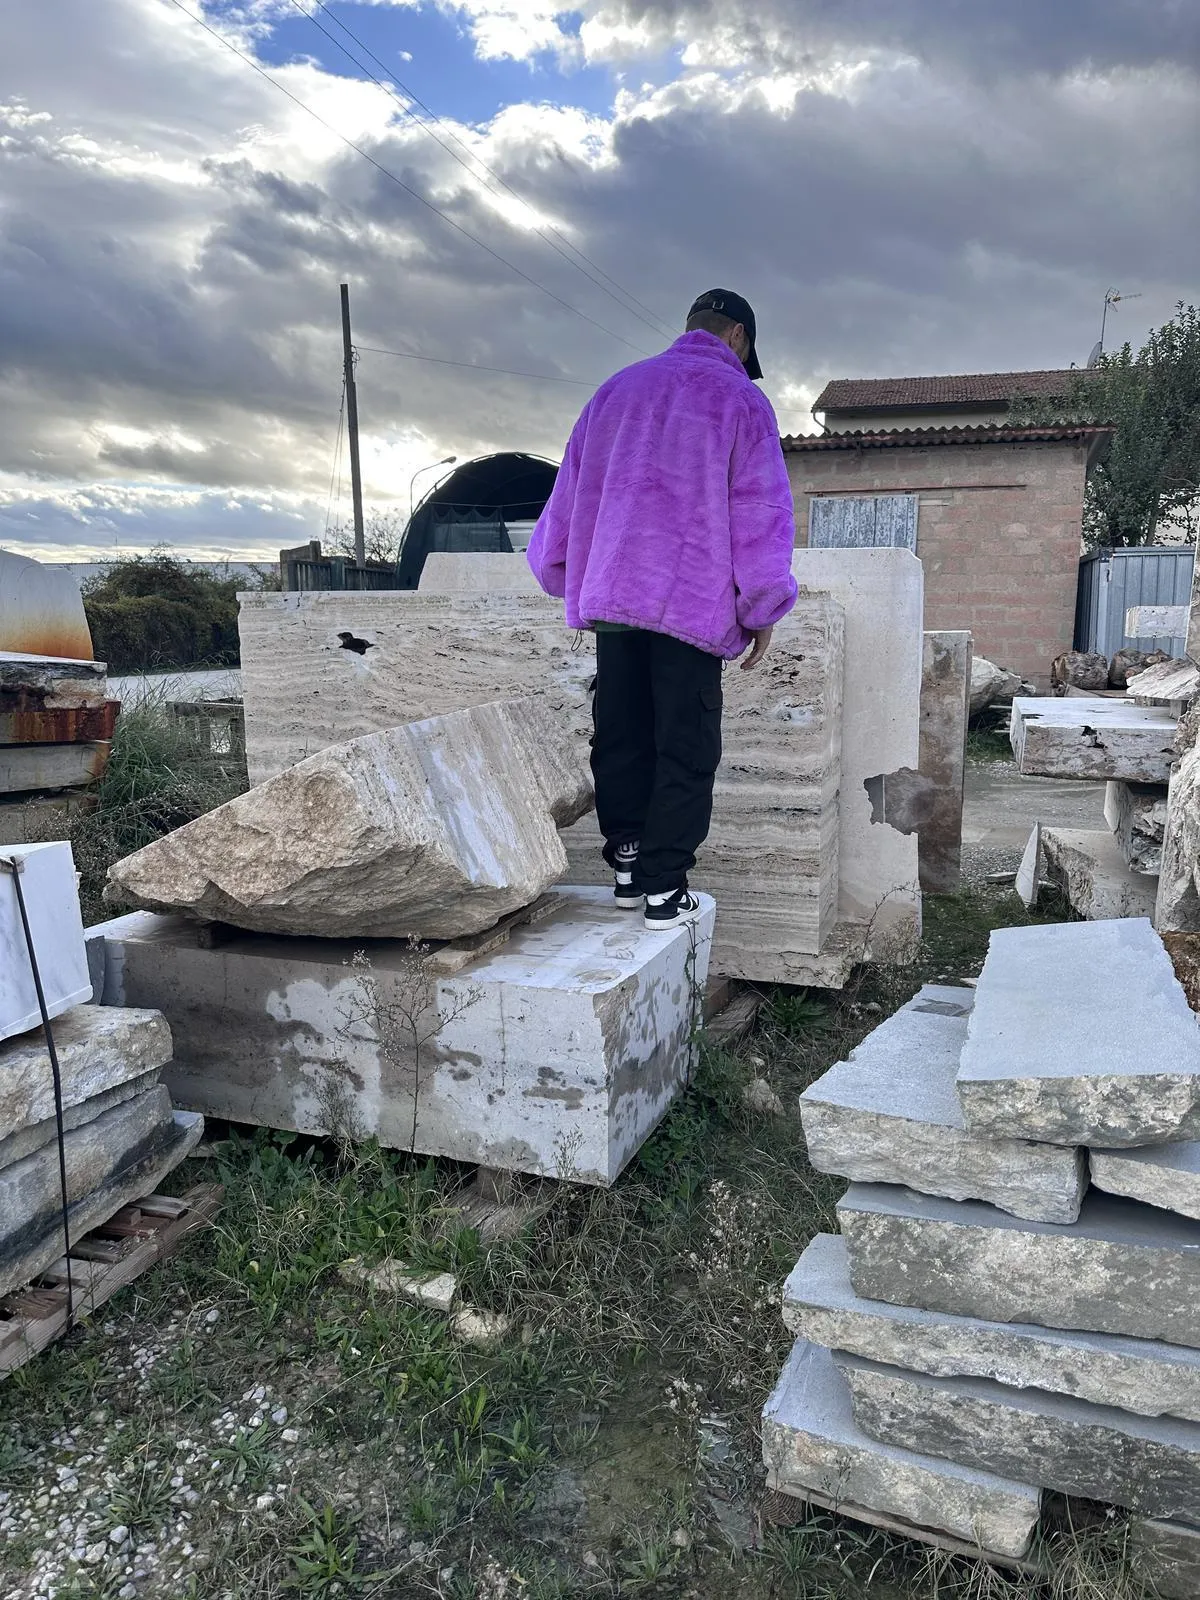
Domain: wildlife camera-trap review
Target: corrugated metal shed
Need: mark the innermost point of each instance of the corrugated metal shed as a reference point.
(1112, 581)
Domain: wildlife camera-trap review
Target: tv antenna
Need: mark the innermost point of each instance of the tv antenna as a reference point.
(1112, 297)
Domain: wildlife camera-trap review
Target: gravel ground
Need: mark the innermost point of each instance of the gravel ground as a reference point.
(1000, 808)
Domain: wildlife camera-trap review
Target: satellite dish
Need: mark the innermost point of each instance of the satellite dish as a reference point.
(1097, 352)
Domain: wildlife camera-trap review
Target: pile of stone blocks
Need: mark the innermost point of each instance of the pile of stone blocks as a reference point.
(56, 727)
(121, 1135)
(1012, 1304)
(823, 795)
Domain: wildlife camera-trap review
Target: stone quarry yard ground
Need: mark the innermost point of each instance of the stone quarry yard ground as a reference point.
(251, 1420)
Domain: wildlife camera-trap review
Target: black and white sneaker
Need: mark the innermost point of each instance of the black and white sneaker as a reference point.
(671, 910)
(626, 896)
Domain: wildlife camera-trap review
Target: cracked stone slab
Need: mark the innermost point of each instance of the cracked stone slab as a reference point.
(1163, 1175)
(1098, 882)
(1092, 737)
(1145, 1376)
(812, 1442)
(1122, 1268)
(1151, 1464)
(1166, 1555)
(1167, 683)
(1137, 815)
(890, 1114)
(1118, 1065)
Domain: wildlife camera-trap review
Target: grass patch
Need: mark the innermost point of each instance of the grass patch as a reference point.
(988, 744)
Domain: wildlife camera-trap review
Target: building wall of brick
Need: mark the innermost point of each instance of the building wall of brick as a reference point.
(998, 533)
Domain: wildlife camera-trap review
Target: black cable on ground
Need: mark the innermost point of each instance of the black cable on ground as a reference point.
(14, 868)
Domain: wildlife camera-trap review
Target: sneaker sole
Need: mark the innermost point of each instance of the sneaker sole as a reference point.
(622, 903)
(665, 924)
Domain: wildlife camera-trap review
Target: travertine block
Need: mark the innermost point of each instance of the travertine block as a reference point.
(945, 700)
(811, 1442)
(1167, 683)
(890, 1114)
(1098, 882)
(1119, 1065)
(1146, 1376)
(1080, 737)
(1137, 815)
(432, 830)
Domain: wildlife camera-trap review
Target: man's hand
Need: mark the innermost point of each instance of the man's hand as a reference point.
(762, 643)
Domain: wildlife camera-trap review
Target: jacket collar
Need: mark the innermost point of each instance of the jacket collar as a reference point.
(702, 343)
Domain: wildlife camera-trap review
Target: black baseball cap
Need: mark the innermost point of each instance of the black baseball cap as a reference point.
(731, 305)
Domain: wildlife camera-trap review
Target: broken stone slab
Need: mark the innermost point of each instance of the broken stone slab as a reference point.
(945, 693)
(1028, 880)
(429, 831)
(1163, 1175)
(1146, 1376)
(1136, 813)
(771, 857)
(1177, 909)
(26, 1140)
(556, 1053)
(890, 1114)
(99, 1048)
(50, 683)
(1156, 622)
(1165, 1555)
(1088, 737)
(48, 885)
(1081, 1035)
(1168, 683)
(1184, 951)
(1121, 1268)
(1151, 1464)
(1100, 885)
(393, 1276)
(811, 1442)
(112, 1160)
(24, 767)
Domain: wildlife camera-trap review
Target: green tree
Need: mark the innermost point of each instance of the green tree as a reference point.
(1149, 481)
(157, 611)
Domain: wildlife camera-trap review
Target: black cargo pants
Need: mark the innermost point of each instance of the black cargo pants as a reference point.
(656, 750)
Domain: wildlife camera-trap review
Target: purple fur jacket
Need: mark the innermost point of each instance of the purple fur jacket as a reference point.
(672, 510)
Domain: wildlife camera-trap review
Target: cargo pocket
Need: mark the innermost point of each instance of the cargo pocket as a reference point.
(708, 741)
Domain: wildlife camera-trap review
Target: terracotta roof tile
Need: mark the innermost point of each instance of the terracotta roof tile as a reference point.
(984, 433)
(971, 388)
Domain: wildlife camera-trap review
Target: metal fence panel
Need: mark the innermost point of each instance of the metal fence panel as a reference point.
(1111, 582)
(857, 521)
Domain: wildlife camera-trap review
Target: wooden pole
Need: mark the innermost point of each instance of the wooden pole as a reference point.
(360, 543)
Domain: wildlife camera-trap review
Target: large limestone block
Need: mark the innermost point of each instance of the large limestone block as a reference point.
(1083, 737)
(432, 830)
(98, 1048)
(115, 1165)
(26, 1140)
(554, 1053)
(1177, 909)
(1166, 1555)
(1167, 683)
(1137, 815)
(1145, 1376)
(477, 572)
(883, 799)
(1100, 885)
(1122, 1268)
(24, 767)
(50, 683)
(811, 1442)
(890, 1114)
(52, 906)
(1163, 1175)
(772, 855)
(945, 697)
(1151, 1464)
(1081, 1034)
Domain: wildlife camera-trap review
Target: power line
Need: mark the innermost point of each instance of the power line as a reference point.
(399, 182)
(652, 320)
(476, 366)
(335, 472)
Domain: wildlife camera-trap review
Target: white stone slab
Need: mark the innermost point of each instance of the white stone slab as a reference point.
(1136, 814)
(945, 699)
(476, 572)
(1029, 873)
(556, 1053)
(24, 767)
(1092, 737)
(1145, 1376)
(52, 905)
(890, 1114)
(772, 855)
(882, 593)
(1098, 882)
(811, 1442)
(1156, 622)
(1151, 1464)
(98, 1047)
(1167, 683)
(1163, 1175)
(1122, 1268)
(1081, 1034)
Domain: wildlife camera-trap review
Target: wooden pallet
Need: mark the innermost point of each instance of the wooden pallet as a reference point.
(103, 1261)
(785, 1509)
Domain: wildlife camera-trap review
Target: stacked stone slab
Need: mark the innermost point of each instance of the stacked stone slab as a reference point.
(120, 1135)
(1013, 1300)
(56, 724)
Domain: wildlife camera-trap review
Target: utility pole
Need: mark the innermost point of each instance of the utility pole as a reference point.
(360, 543)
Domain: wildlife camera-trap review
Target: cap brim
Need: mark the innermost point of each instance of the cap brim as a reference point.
(753, 369)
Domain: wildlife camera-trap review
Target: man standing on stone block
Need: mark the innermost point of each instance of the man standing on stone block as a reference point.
(670, 533)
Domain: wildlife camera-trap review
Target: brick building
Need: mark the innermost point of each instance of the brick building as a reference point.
(993, 511)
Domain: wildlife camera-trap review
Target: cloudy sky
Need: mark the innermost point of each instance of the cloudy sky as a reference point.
(899, 186)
